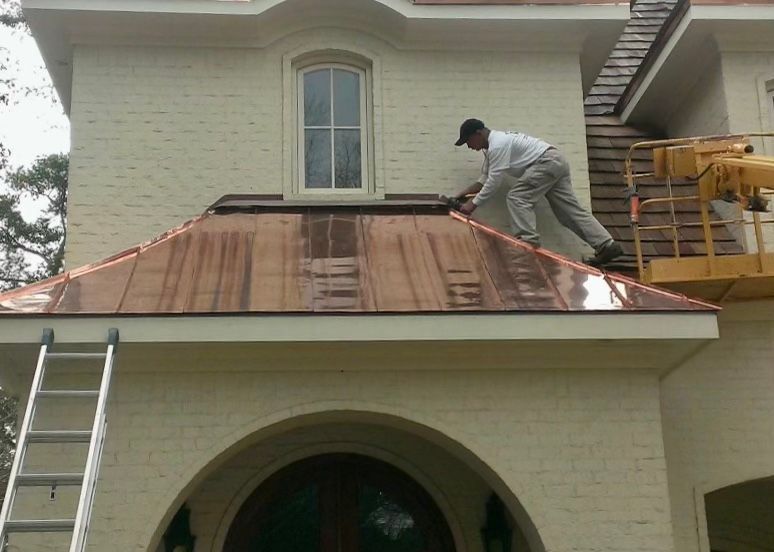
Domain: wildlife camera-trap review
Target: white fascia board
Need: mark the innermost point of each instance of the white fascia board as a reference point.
(612, 11)
(657, 65)
(372, 328)
(750, 12)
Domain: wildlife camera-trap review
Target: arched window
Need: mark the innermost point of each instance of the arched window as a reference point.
(339, 503)
(332, 128)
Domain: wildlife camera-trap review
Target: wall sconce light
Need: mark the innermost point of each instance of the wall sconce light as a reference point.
(497, 533)
(178, 537)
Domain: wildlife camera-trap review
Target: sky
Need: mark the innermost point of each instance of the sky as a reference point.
(32, 125)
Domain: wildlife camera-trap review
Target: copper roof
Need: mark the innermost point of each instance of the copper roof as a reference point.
(389, 257)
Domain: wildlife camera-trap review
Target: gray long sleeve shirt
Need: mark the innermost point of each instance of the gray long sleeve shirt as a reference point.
(509, 153)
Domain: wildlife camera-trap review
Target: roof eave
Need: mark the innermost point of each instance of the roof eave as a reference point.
(673, 64)
(560, 327)
(58, 25)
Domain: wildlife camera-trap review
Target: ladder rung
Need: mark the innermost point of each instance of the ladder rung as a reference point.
(59, 436)
(74, 355)
(48, 479)
(40, 525)
(69, 393)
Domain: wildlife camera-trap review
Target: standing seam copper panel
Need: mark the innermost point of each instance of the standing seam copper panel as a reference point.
(97, 291)
(396, 265)
(461, 275)
(517, 275)
(338, 263)
(162, 276)
(281, 269)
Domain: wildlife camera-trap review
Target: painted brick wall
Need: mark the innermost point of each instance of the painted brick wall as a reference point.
(581, 450)
(749, 110)
(158, 134)
(719, 419)
(216, 500)
(705, 109)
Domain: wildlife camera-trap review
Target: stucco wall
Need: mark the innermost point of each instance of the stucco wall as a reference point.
(158, 134)
(581, 451)
(718, 419)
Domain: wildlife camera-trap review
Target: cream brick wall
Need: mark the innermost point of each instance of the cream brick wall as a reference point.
(216, 500)
(718, 412)
(158, 134)
(704, 112)
(580, 450)
(749, 110)
(705, 109)
(728, 98)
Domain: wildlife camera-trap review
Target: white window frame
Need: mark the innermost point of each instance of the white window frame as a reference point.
(366, 187)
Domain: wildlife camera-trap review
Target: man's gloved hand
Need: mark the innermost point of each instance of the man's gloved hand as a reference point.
(451, 202)
(468, 207)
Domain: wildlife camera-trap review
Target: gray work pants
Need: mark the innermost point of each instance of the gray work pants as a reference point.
(549, 176)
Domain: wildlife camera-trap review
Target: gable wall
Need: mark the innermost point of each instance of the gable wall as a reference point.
(158, 134)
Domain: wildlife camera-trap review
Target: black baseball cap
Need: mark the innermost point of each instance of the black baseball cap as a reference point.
(467, 129)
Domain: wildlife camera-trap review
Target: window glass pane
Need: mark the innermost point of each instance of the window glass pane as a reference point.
(317, 98)
(292, 524)
(385, 526)
(317, 150)
(346, 98)
(347, 151)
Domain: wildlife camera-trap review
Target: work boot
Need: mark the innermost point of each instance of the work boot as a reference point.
(606, 254)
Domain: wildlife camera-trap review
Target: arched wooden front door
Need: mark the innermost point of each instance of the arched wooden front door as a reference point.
(339, 503)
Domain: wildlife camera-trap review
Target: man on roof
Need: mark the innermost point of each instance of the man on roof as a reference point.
(539, 170)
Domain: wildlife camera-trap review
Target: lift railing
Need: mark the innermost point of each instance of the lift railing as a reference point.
(725, 169)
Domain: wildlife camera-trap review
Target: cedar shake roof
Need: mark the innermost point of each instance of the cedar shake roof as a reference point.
(647, 18)
(386, 257)
(608, 140)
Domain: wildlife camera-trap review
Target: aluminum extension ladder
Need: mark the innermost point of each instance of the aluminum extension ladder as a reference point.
(95, 437)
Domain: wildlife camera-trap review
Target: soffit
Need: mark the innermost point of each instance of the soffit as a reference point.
(587, 29)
